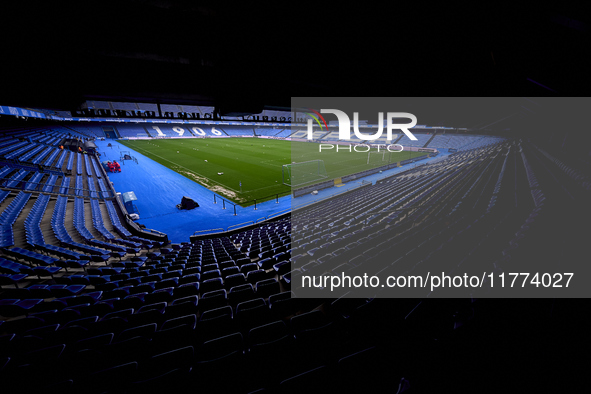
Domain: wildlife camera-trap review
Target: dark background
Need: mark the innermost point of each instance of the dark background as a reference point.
(204, 52)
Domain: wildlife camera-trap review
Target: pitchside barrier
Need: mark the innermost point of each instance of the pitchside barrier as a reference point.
(308, 189)
(221, 200)
(216, 233)
(348, 178)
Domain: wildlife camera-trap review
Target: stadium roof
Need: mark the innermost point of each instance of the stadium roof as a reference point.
(208, 52)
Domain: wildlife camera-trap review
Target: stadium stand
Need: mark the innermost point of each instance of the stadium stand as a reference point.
(134, 131)
(49, 185)
(461, 142)
(87, 166)
(34, 181)
(51, 158)
(65, 186)
(148, 107)
(16, 178)
(420, 142)
(97, 220)
(284, 133)
(170, 108)
(21, 151)
(11, 148)
(268, 131)
(30, 153)
(116, 312)
(317, 134)
(125, 106)
(70, 164)
(333, 136)
(78, 186)
(237, 130)
(62, 158)
(79, 163)
(5, 171)
(9, 215)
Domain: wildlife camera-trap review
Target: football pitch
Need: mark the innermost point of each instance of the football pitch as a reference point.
(245, 169)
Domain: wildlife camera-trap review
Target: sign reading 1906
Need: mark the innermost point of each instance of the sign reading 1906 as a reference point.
(192, 132)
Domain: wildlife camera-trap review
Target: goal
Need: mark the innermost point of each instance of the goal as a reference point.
(297, 174)
(375, 158)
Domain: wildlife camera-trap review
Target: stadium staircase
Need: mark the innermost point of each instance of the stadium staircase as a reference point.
(84, 133)
(430, 139)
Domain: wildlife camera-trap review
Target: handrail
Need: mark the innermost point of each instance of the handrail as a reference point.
(154, 231)
(278, 213)
(203, 231)
(228, 231)
(328, 197)
(100, 194)
(240, 225)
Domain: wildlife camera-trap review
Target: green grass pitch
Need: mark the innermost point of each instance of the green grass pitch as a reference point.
(257, 163)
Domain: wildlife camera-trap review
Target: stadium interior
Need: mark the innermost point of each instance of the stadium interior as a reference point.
(202, 291)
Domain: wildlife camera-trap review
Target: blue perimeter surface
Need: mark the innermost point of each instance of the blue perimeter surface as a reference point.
(159, 190)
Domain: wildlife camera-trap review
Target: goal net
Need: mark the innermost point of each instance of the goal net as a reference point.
(297, 174)
(375, 158)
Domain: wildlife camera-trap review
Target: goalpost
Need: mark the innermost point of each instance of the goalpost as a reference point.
(296, 174)
(376, 157)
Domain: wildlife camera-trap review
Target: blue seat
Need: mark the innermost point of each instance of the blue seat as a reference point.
(215, 273)
(190, 320)
(113, 378)
(190, 278)
(319, 377)
(282, 267)
(40, 291)
(234, 280)
(147, 316)
(255, 276)
(241, 293)
(94, 342)
(146, 331)
(214, 322)
(246, 268)
(125, 313)
(219, 355)
(165, 371)
(46, 271)
(18, 326)
(267, 287)
(252, 313)
(230, 271)
(213, 299)
(77, 263)
(160, 295)
(14, 307)
(165, 283)
(192, 299)
(267, 344)
(65, 291)
(11, 279)
(211, 285)
(85, 322)
(266, 263)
